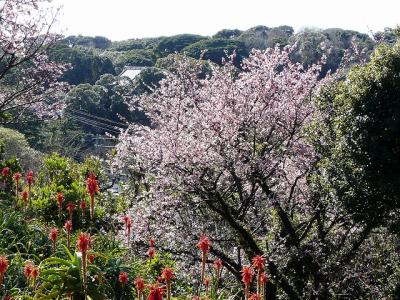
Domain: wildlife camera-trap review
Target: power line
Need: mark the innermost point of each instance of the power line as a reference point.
(97, 117)
(94, 124)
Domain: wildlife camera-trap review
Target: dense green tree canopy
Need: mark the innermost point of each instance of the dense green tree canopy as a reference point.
(216, 49)
(358, 138)
(86, 66)
(99, 42)
(136, 57)
(176, 43)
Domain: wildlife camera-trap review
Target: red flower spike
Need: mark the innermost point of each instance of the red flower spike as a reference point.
(247, 278)
(3, 264)
(83, 242)
(70, 209)
(167, 274)
(247, 275)
(92, 187)
(17, 177)
(258, 262)
(152, 243)
(156, 293)
(4, 173)
(53, 234)
(60, 199)
(68, 226)
(27, 271)
(218, 266)
(151, 253)
(259, 265)
(128, 225)
(3, 267)
(204, 245)
(29, 177)
(123, 278)
(25, 196)
(139, 284)
(53, 237)
(83, 205)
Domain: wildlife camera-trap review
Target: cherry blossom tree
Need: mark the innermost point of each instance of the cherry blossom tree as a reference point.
(28, 80)
(228, 155)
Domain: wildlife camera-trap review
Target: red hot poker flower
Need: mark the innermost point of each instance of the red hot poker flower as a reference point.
(167, 274)
(156, 293)
(151, 253)
(68, 226)
(247, 278)
(123, 278)
(247, 275)
(24, 196)
(218, 266)
(60, 199)
(27, 271)
(17, 177)
(70, 209)
(83, 205)
(152, 243)
(83, 242)
(4, 173)
(3, 267)
(139, 284)
(53, 234)
(204, 245)
(29, 177)
(259, 265)
(92, 187)
(128, 224)
(3, 264)
(258, 262)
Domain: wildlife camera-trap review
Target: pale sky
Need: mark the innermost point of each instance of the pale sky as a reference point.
(123, 19)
